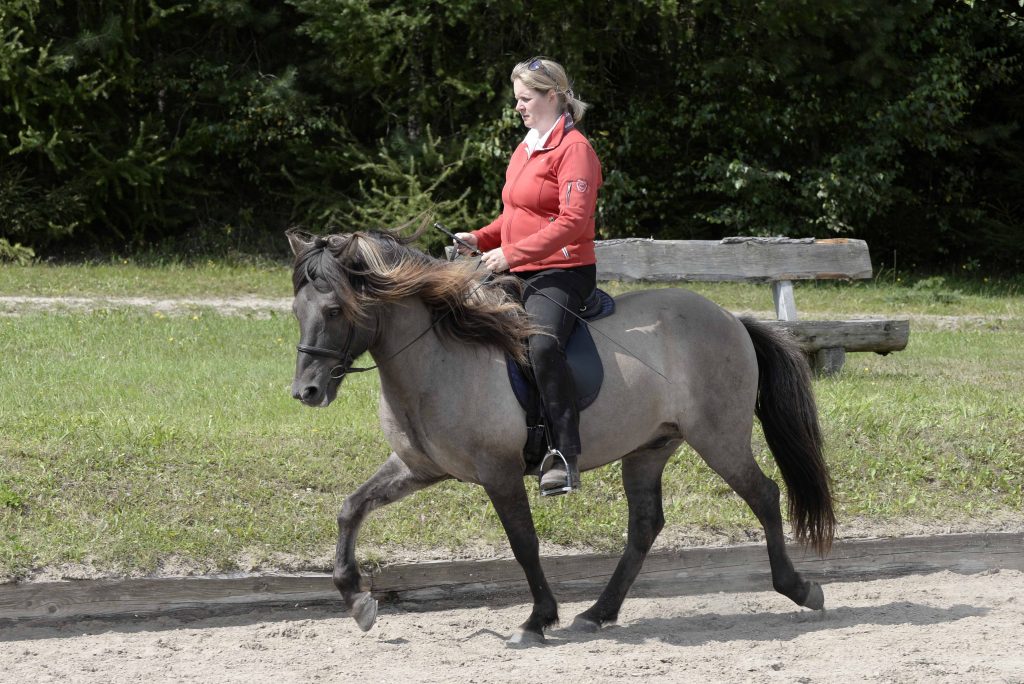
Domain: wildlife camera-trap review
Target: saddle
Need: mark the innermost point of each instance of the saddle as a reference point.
(587, 373)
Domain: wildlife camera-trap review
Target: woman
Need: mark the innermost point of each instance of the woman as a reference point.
(545, 235)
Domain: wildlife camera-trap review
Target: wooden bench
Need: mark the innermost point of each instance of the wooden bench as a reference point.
(778, 261)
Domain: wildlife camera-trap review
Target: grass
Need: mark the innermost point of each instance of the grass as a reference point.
(125, 278)
(930, 296)
(131, 440)
(137, 436)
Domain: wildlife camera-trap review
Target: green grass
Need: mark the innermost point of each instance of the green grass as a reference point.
(129, 439)
(128, 279)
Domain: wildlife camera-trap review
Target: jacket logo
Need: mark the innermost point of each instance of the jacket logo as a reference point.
(581, 185)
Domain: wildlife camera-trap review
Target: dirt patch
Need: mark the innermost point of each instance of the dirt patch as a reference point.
(233, 306)
(13, 305)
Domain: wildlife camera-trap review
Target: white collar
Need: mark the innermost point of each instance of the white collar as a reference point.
(535, 141)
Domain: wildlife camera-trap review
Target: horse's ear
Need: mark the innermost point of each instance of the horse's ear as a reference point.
(298, 244)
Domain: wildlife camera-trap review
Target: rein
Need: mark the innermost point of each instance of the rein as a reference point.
(345, 356)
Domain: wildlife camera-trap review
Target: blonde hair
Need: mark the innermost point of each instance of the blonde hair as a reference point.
(543, 74)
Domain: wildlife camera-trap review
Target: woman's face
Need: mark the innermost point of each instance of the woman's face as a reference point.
(539, 110)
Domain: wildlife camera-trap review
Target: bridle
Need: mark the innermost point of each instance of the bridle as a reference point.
(345, 356)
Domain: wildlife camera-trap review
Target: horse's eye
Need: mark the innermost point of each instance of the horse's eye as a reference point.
(333, 312)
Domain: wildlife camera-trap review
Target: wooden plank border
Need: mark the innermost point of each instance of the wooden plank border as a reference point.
(689, 571)
(733, 259)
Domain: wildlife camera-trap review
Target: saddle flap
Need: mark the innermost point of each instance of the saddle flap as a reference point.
(585, 364)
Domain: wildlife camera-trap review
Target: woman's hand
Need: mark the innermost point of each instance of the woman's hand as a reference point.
(495, 261)
(468, 238)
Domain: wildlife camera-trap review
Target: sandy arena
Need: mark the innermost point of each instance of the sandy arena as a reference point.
(942, 627)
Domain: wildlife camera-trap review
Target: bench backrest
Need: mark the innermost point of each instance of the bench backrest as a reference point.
(732, 259)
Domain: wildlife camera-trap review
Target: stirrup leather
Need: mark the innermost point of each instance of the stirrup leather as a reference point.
(569, 485)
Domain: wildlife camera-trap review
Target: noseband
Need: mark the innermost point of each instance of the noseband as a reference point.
(345, 356)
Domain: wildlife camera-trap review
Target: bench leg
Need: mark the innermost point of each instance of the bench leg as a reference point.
(828, 362)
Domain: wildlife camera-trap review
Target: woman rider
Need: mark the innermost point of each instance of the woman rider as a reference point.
(545, 236)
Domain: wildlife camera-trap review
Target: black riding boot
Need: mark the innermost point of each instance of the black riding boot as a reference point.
(559, 471)
(552, 297)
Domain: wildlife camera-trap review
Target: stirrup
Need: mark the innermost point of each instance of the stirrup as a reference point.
(569, 486)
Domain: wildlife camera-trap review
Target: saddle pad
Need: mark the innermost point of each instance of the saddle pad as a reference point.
(581, 353)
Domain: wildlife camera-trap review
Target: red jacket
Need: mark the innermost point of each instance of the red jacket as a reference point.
(547, 220)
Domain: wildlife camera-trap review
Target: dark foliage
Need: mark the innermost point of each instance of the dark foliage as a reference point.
(205, 126)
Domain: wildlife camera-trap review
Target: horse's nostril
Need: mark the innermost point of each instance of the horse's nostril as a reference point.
(305, 394)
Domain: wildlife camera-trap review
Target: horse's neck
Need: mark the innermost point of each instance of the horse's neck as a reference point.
(406, 345)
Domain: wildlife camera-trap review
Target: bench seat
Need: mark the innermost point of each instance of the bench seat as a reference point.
(777, 261)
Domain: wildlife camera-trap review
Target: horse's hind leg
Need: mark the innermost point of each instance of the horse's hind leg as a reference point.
(508, 495)
(641, 478)
(392, 481)
(730, 456)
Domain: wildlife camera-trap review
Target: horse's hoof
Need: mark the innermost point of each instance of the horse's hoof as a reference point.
(815, 597)
(364, 610)
(584, 625)
(525, 639)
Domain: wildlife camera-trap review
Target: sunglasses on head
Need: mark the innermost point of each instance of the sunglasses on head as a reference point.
(538, 63)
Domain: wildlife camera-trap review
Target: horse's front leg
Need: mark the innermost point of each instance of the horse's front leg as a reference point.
(508, 495)
(392, 481)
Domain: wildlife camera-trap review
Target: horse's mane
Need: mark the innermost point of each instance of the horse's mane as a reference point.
(374, 267)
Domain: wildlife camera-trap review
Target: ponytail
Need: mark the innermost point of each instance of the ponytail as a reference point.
(574, 105)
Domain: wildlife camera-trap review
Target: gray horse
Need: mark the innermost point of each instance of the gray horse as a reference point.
(694, 373)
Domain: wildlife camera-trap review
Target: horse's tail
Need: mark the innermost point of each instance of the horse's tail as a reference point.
(789, 417)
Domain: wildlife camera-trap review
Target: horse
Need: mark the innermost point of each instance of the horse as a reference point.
(421, 318)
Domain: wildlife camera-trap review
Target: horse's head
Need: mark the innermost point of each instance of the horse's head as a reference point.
(344, 285)
(334, 328)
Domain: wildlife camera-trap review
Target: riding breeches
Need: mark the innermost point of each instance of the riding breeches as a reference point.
(551, 297)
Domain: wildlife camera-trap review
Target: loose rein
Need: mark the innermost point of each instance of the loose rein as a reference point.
(345, 355)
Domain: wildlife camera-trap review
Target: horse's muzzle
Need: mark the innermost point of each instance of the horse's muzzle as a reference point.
(314, 394)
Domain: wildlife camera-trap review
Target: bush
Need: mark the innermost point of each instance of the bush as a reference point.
(127, 124)
(16, 253)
